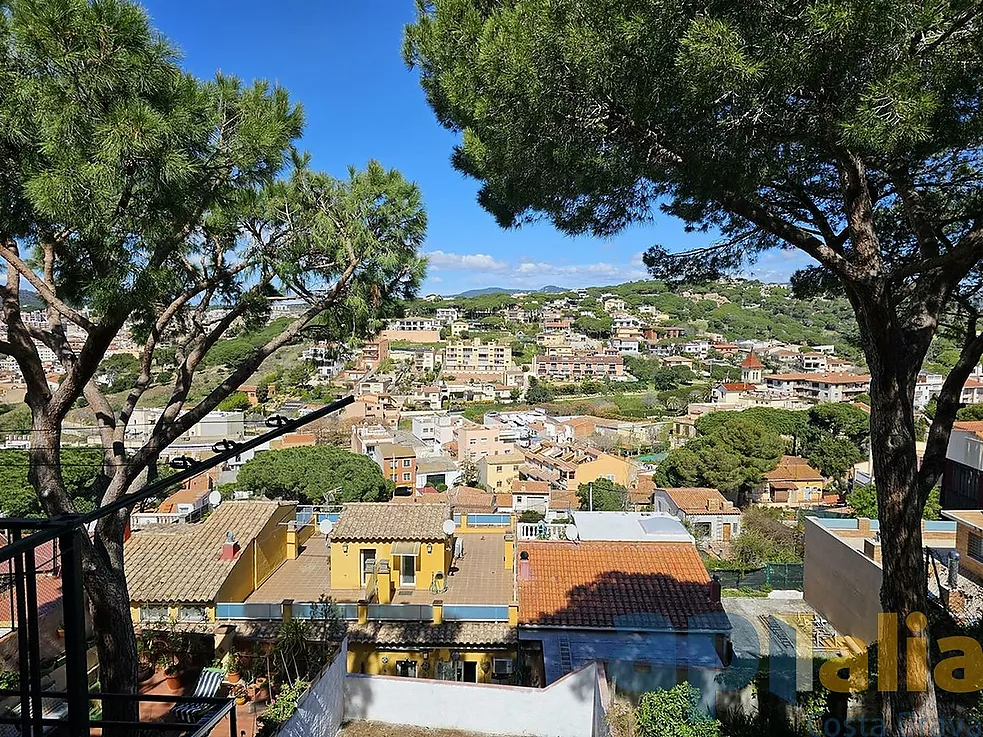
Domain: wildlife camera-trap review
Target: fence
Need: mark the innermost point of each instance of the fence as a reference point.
(784, 576)
(541, 531)
(475, 613)
(412, 612)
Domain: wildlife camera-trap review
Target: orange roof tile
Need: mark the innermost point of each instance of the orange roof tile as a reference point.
(603, 584)
(751, 362)
(700, 500)
(793, 468)
(525, 486)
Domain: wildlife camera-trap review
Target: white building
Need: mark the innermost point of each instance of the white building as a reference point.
(447, 315)
(706, 510)
(820, 387)
(927, 386)
(475, 357)
(614, 304)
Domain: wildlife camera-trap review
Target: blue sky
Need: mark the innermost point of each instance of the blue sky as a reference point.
(342, 60)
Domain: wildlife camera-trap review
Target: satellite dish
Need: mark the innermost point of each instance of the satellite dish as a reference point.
(572, 532)
(215, 498)
(449, 527)
(325, 526)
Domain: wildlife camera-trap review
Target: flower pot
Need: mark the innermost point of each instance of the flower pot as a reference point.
(175, 680)
(233, 677)
(60, 632)
(240, 700)
(262, 690)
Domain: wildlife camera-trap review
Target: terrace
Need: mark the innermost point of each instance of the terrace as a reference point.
(478, 576)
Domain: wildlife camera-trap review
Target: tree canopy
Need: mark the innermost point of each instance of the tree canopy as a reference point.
(603, 495)
(314, 475)
(136, 198)
(851, 131)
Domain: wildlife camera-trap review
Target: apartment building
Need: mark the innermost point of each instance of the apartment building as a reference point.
(375, 352)
(574, 368)
(820, 387)
(475, 441)
(496, 472)
(410, 324)
(556, 324)
(476, 357)
(447, 315)
(614, 304)
(398, 463)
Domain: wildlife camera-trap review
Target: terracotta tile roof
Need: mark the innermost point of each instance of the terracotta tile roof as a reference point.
(738, 386)
(166, 563)
(468, 499)
(751, 362)
(526, 486)
(700, 500)
(793, 468)
(456, 634)
(437, 497)
(377, 521)
(504, 459)
(564, 499)
(822, 378)
(616, 585)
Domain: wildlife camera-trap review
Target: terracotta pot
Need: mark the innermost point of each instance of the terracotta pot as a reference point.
(60, 632)
(175, 681)
(233, 677)
(240, 700)
(262, 690)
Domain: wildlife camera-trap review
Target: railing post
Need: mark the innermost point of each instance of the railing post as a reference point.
(73, 611)
(33, 640)
(26, 720)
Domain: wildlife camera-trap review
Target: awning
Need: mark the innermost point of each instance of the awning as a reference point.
(411, 549)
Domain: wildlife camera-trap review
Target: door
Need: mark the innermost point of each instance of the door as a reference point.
(368, 563)
(470, 671)
(407, 571)
(406, 668)
(725, 530)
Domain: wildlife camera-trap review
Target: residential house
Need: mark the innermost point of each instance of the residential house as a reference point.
(180, 572)
(793, 482)
(474, 441)
(576, 368)
(820, 387)
(962, 478)
(710, 514)
(427, 397)
(648, 610)
(496, 472)
(674, 361)
(568, 466)
(813, 361)
(530, 496)
(435, 430)
(556, 324)
(972, 392)
(436, 471)
(398, 464)
(927, 386)
(447, 315)
(614, 305)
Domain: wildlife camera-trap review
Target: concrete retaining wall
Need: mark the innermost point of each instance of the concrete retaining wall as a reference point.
(320, 711)
(563, 709)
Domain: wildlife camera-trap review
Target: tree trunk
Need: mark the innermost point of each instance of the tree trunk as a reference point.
(103, 578)
(109, 606)
(906, 711)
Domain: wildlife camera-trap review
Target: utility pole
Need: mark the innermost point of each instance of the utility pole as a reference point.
(590, 497)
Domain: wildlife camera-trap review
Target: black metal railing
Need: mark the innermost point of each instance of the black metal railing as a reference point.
(19, 572)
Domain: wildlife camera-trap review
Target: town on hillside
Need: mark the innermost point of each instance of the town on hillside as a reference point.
(280, 458)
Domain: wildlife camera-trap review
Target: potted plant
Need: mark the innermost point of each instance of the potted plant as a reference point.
(261, 689)
(174, 674)
(231, 665)
(240, 693)
(60, 631)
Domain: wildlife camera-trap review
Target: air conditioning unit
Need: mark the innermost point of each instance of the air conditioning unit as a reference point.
(502, 667)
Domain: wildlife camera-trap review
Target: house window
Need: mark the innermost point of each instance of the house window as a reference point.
(406, 462)
(154, 613)
(498, 469)
(192, 614)
(407, 476)
(975, 547)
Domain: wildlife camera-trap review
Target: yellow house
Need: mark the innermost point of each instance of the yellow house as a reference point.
(179, 572)
(604, 466)
(377, 549)
(567, 466)
(496, 472)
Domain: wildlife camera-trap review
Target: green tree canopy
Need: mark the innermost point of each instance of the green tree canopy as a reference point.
(607, 496)
(851, 131)
(863, 501)
(315, 474)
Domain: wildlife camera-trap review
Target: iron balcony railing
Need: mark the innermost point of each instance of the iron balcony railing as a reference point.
(38, 710)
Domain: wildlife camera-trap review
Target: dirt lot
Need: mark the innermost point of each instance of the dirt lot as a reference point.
(378, 729)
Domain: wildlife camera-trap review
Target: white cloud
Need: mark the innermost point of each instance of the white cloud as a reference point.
(443, 260)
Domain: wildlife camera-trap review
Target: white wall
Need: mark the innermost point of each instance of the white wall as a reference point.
(320, 712)
(563, 709)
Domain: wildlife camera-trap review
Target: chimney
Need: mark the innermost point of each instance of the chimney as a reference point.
(953, 570)
(230, 548)
(715, 590)
(872, 549)
(525, 573)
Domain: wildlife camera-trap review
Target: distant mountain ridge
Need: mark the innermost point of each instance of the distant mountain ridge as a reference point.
(548, 289)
